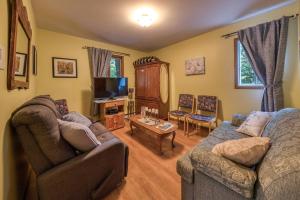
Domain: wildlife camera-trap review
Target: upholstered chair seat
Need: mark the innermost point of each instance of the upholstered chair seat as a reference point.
(185, 107)
(179, 113)
(206, 113)
(201, 117)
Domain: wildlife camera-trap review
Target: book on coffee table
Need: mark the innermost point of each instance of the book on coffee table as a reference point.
(165, 126)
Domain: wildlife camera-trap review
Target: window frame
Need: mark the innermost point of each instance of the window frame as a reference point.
(122, 65)
(236, 70)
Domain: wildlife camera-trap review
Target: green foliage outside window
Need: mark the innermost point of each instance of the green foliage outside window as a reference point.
(115, 67)
(246, 74)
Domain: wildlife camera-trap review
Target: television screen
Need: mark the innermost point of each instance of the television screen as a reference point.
(110, 87)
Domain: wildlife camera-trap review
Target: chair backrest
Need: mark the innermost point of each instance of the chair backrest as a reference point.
(207, 104)
(35, 123)
(186, 101)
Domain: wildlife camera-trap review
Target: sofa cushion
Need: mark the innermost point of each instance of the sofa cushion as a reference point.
(98, 129)
(246, 151)
(223, 133)
(236, 177)
(105, 137)
(78, 118)
(255, 123)
(78, 135)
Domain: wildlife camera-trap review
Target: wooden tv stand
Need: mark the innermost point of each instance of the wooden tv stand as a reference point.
(115, 119)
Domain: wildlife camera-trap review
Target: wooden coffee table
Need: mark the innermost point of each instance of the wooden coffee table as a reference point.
(153, 131)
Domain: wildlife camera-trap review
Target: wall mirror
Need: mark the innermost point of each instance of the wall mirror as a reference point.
(19, 47)
(164, 83)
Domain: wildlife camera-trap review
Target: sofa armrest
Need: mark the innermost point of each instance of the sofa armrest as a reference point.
(185, 169)
(88, 176)
(236, 177)
(238, 119)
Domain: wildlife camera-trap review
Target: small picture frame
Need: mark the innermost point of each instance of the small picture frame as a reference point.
(34, 60)
(1, 57)
(64, 67)
(21, 60)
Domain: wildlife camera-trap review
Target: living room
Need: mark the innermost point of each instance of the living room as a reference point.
(58, 31)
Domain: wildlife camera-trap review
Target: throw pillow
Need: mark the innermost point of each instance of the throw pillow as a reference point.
(62, 106)
(78, 118)
(246, 151)
(255, 123)
(238, 119)
(78, 135)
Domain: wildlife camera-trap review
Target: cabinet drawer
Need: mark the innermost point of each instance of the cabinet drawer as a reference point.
(113, 122)
(109, 122)
(114, 104)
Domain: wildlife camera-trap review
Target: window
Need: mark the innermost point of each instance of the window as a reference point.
(116, 66)
(245, 77)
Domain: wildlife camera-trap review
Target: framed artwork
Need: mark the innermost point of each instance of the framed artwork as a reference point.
(21, 60)
(34, 60)
(1, 57)
(64, 67)
(195, 66)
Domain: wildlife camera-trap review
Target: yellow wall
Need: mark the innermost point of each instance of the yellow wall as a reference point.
(219, 77)
(10, 100)
(217, 81)
(77, 91)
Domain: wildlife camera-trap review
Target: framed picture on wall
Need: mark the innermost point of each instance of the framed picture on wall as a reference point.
(64, 67)
(195, 66)
(20, 64)
(34, 60)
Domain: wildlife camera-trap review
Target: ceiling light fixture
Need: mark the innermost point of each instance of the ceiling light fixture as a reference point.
(145, 17)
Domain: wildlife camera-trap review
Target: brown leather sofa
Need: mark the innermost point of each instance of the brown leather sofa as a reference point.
(61, 172)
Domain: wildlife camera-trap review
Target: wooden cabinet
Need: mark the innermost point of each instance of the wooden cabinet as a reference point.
(112, 114)
(148, 87)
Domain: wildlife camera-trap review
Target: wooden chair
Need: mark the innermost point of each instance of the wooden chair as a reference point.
(206, 113)
(185, 107)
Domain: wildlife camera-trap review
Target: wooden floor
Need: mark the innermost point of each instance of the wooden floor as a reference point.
(151, 175)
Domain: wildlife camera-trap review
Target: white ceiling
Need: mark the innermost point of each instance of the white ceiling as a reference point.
(110, 20)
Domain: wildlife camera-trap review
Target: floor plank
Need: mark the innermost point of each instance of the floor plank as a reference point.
(151, 175)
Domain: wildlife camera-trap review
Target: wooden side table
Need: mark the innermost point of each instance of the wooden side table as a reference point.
(112, 113)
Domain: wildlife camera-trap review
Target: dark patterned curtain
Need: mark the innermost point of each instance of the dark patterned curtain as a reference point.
(99, 64)
(265, 45)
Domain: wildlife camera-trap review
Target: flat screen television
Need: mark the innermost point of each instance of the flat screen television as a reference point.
(109, 88)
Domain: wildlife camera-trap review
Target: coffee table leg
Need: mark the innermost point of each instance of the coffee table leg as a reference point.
(173, 137)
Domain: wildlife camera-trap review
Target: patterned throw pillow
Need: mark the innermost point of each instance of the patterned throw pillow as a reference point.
(255, 123)
(246, 151)
(61, 106)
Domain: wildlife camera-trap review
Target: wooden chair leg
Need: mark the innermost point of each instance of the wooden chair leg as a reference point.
(209, 128)
(187, 127)
(184, 126)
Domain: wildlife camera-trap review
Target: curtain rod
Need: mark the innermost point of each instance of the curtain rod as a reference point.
(114, 52)
(236, 32)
